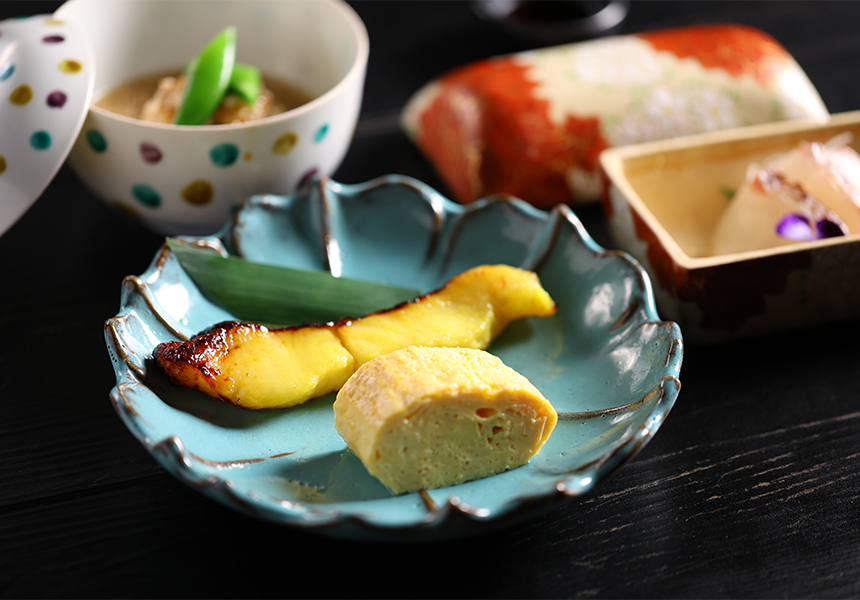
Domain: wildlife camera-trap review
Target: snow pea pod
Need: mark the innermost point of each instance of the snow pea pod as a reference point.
(208, 76)
(245, 82)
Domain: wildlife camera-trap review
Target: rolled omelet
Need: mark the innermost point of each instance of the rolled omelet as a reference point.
(430, 417)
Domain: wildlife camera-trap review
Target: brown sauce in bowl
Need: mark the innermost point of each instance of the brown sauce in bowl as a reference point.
(129, 98)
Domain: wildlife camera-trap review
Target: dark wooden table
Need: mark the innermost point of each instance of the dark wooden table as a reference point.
(750, 489)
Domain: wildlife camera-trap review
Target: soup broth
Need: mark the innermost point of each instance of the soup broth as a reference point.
(129, 98)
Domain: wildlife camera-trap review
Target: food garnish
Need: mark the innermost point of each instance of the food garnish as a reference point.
(282, 296)
(253, 366)
(799, 228)
(830, 172)
(809, 193)
(245, 82)
(213, 89)
(768, 211)
(208, 76)
(427, 417)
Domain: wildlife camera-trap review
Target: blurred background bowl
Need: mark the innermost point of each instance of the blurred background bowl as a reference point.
(188, 179)
(550, 22)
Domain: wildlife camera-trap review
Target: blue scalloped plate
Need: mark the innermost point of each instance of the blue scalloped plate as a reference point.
(606, 362)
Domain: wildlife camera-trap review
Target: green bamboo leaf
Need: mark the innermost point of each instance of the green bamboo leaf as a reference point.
(281, 296)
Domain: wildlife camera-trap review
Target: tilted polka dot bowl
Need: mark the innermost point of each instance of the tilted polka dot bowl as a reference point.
(187, 179)
(46, 80)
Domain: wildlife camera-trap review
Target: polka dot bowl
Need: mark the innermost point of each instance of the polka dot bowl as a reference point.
(45, 86)
(189, 179)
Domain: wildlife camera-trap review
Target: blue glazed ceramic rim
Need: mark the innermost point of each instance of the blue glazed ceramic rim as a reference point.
(454, 517)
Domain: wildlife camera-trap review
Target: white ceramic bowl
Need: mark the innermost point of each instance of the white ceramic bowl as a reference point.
(187, 179)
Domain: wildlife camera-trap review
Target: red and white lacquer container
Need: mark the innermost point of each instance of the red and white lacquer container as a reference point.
(533, 124)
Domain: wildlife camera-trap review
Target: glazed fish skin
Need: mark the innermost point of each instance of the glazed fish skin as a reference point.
(252, 366)
(430, 417)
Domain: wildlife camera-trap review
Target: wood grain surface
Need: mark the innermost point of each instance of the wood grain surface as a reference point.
(749, 490)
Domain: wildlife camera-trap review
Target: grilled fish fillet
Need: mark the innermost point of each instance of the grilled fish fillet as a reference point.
(252, 366)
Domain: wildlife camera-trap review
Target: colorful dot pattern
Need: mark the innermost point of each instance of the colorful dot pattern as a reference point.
(150, 153)
(22, 92)
(224, 155)
(285, 143)
(56, 99)
(96, 140)
(146, 195)
(321, 133)
(199, 191)
(69, 66)
(40, 140)
(21, 95)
